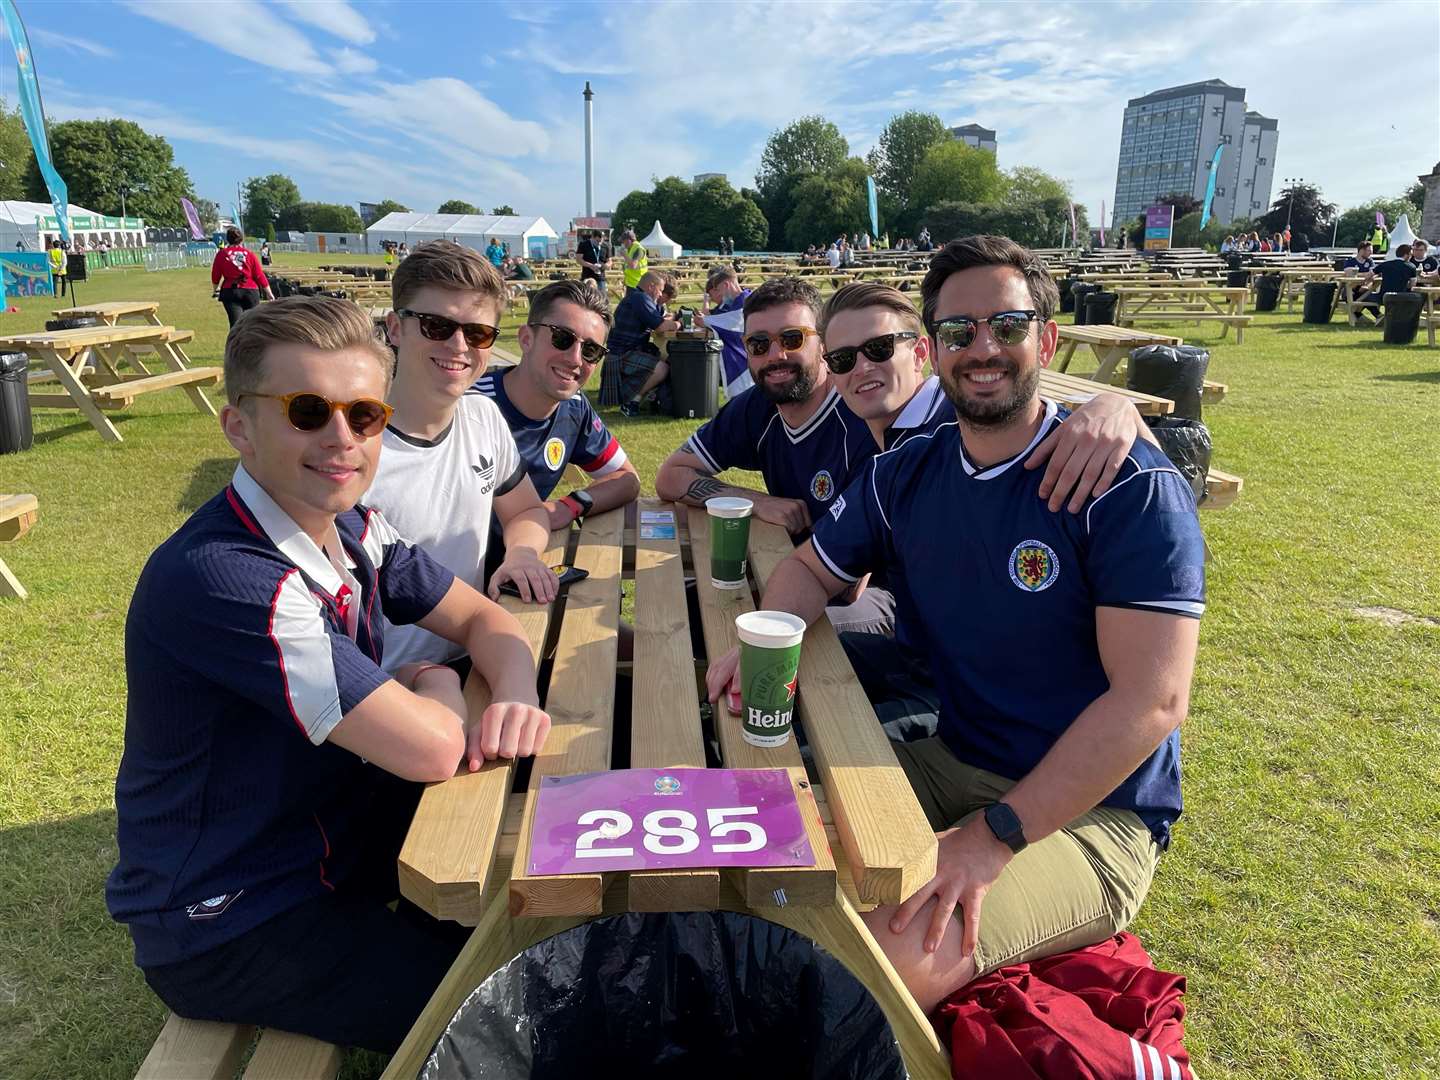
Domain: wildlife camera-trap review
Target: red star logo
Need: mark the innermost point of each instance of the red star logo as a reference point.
(790, 686)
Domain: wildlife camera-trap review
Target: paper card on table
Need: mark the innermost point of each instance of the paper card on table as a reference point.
(657, 532)
(666, 819)
(657, 517)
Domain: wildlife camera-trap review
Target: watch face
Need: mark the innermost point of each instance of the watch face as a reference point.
(584, 499)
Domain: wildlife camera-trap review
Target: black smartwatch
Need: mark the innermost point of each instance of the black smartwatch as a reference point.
(586, 501)
(1005, 824)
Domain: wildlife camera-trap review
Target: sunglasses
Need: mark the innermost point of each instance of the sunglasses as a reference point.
(311, 412)
(1006, 327)
(877, 349)
(792, 339)
(562, 337)
(439, 328)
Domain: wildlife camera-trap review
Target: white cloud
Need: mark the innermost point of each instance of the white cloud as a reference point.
(353, 62)
(452, 112)
(334, 17)
(244, 29)
(68, 42)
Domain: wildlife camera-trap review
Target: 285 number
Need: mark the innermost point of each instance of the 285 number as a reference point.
(670, 832)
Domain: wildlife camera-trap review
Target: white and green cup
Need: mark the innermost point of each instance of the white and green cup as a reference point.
(729, 541)
(769, 666)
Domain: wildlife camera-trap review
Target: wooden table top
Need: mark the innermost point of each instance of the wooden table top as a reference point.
(84, 336)
(119, 308)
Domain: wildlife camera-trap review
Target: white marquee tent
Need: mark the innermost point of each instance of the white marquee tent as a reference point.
(525, 235)
(1401, 234)
(660, 245)
(27, 222)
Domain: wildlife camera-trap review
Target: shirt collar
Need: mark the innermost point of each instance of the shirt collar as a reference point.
(920, 407)
(990, 472)
(292, 541)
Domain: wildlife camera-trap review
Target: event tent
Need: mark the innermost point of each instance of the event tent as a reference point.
(34, 224)
(1401, 234)
(529, 236)
(660, 245)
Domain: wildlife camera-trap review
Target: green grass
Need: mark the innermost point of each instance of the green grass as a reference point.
(1302, 894)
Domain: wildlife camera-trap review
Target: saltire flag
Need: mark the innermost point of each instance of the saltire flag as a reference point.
(1210, 185)
(874, 206)
(33, 112)
(1102, 223)
(192, 216)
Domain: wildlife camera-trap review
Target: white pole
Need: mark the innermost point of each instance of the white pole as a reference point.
(589, 153)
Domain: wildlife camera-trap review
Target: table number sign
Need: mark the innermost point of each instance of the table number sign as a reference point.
(666, 819)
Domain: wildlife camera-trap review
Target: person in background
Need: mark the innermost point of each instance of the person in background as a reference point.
(495, 253)
(57, 267)
(1421, 260)
(1362, 261)
(832, 255)
(1380, 239)
(637, 260)
(1227, 245)
(1277, 242)
(404, 251)
(390, 254)
(592, 269)
(104, 252)
(727, 319)
(238, 277)
(634, 366)
(265, 253)
(1395, 275)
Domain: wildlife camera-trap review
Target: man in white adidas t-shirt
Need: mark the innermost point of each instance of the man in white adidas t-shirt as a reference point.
(448, 457)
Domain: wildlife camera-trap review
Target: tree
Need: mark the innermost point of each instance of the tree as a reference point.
(828, 204)
(716, 209)
(15, 153)
(208, 212)
(953, 172)
(1358, 222)
(1310, 217)
(388, 206)
(320, 217)
(1032, 222)
(504, 210)
(1183, 202)
(458, 206)
(103, 159)
(265, 198)
(806, 147)
(904, 141)
(634, 211)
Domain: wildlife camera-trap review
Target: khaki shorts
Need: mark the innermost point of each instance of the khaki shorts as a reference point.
(1076, 887)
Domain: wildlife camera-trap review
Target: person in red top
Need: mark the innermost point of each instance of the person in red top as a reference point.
(239, 276)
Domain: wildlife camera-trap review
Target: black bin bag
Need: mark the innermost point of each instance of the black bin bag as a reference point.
(1187, 444)
(1176, 372)
(694, 996)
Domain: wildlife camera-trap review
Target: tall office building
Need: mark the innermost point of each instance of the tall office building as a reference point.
(1168, 140)
(982, 138)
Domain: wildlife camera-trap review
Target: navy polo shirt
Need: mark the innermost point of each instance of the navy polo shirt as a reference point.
(635, 316)
(1000, 593)
(573, 432)
(1395, 276)
(812, 462)
(244, 646)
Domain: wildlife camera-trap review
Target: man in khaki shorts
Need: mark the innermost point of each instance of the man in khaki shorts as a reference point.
(1062, 644)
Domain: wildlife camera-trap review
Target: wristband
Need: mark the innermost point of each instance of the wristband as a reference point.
(575, 508)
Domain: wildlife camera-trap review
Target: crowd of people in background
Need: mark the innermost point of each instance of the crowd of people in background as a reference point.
(1246, 243)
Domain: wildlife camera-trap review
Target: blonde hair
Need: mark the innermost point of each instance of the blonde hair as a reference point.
(450, 266)
(320, 322)
(868, 294)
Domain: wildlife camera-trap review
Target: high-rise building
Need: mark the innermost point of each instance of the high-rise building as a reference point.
(700, 178)
(1168, 141)
(982, 138)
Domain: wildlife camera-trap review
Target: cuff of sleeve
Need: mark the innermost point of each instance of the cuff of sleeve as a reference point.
(830, 563)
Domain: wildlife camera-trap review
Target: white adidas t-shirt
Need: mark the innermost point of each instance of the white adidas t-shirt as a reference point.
(438, 494)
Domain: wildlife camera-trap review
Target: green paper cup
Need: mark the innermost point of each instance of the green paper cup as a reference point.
(729, 541)
(769, 663)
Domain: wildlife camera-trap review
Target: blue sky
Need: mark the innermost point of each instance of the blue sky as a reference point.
(426, 101)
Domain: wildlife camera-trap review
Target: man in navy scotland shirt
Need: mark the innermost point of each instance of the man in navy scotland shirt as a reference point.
(270, 763)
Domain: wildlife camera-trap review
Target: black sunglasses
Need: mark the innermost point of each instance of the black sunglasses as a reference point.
(439, 328)
(792, 339)
(562, 337)
(1006, 327)
(311, 412)
(877, 349)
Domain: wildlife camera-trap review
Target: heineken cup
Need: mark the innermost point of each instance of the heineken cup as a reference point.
(769, 666)
(729, 541)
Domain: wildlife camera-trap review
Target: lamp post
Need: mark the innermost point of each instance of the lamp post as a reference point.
(1290, 202)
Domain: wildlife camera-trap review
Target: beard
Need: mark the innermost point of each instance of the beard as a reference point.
(992, 412)
(798, 389)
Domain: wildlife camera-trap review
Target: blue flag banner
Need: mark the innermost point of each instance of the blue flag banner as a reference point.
(34, 113)
(1210, 185)
(874, 209)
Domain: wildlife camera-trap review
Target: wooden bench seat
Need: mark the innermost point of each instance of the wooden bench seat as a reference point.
(17, 514)
(203, 1050)
(180, 337)
(1240, 322)
(1221, 489)
(126, 391)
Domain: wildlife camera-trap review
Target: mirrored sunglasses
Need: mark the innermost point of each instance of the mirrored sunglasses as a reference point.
(1006, 327)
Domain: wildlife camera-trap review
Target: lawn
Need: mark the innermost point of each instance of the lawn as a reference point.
(1301, 897)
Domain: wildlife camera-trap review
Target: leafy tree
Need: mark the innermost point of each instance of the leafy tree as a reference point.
(806, 147)
(270, 231)
(635, 211)
(828, 204)
(100, 159)
(1183, 202)
(208, 212)
(1032, 222)
(953, 172)
(670, 203)
(387, 206)
(265, 198)
(320, 217)
(904, 141)
(1310, 217)
(716, 209)
(1358, 223)
(458, 206)
(1025, 182)
(504, 210)
(15, 153)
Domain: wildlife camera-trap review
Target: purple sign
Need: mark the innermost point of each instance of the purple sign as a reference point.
(1159, 217)
(666, 819)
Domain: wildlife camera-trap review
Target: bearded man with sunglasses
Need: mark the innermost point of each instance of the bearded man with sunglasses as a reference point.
(271, 765)
(1062, 644)
(449, 456)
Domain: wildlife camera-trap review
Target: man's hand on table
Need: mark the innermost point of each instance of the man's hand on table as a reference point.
(536, 581)
(969, 862)
(723, 677)
(791, 514)
(1087, 450)
(507, 729)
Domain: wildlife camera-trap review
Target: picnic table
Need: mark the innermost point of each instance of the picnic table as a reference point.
(17, 514)
(114, 312)
(1184, 302)
(86, 362)
(467, 852)
(1429, 317)
(1111, 347)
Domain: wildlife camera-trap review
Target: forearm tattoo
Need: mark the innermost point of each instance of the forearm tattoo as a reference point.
(704, 487)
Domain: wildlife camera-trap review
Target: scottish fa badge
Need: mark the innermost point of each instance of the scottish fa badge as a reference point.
(822, 486)
(1034, 566)
(554, 454)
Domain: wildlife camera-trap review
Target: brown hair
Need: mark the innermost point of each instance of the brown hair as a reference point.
(780, 291)
(869, 294)
(650, 277)
(568, 291)
(233, 235)
(720, 273)
(321, 322)
(450, 266)
(972, 251)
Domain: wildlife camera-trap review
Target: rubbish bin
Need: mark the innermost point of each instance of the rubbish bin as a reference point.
(1402, 316)
(1237, 279)
(16, 434)
(1176, 372)
(1079, 291)
(1319, 301)
(694, 377)
(1234, 261)
(1267, 292)
(1067, 299)
(694, 996)
(1100, 308)
(70, 324)
(1187, 444)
